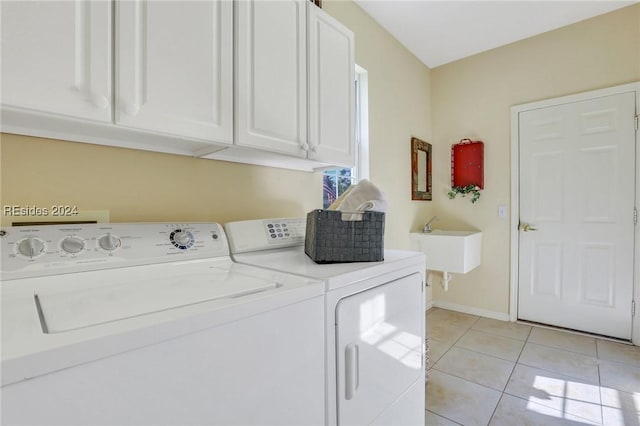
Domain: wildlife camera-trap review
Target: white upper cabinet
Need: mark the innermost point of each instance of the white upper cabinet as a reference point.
(174, 67)
(267, 82)
(331, 90)
(294, 81)
(271, 75)
(56, 57)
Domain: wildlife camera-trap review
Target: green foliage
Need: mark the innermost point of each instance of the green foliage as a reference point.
(464, 190)
(334, 183)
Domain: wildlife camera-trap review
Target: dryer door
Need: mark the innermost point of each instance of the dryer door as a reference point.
(379, 344)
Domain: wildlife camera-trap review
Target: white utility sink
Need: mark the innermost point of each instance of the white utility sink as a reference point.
(449, 251)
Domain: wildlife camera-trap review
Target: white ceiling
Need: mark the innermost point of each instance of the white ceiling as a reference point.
(439, 32)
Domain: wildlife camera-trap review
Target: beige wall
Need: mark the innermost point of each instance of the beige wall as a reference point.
(399, 108)
(472, 98)
(144, 186)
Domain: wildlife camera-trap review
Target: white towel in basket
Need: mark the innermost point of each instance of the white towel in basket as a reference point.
(365, 196)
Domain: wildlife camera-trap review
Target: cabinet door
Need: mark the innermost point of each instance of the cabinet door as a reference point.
(174, 67)
(331, 90)
(271, 75)
(56, 57)
(379, 350)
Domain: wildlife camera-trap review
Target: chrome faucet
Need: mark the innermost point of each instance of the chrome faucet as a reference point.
(427, 226)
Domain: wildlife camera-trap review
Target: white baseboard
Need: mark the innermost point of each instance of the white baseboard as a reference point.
(471, 310)
(428, 305)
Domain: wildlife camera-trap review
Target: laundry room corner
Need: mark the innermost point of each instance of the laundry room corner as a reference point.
(400, 107)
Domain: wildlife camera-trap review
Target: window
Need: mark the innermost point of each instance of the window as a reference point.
(336, 181)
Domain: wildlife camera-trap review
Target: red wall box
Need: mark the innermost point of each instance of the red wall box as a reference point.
(467, 163)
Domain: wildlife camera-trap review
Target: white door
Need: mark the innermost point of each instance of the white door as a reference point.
(56, 57)
(174, 67)
(577, 165)
(271, 86)
(379, 350)
(331, 90)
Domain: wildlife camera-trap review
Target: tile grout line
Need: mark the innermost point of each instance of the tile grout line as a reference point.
(563, 373)
(515, 362)
(433, 367)
(599, 382)
(526, 340)
(559, 349)
(510, 376)
(493, 335)
(471, 381)
(462, 378)
(586, 381)
(563, 349)
(454, 343)
(468, 381)
(493, 413)
(444, 417)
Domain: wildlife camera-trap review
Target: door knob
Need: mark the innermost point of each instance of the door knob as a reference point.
(527, 227)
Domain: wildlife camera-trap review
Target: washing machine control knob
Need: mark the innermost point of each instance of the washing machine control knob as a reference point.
(31, 247)
(181, 239)
(72, 245)
(109, 242)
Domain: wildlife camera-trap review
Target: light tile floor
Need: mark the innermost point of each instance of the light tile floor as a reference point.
(488, 372)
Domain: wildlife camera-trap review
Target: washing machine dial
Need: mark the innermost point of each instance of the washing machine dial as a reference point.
(31, 247)
(109, 242)
(72, 245)
(181, 239)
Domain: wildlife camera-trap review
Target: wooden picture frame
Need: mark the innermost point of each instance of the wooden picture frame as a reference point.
(421, 180)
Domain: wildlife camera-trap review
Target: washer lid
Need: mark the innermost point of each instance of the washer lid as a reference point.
(84, 304)
(93, 315)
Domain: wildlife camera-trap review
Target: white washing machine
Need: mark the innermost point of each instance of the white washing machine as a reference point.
(153, 324)
(375, 322)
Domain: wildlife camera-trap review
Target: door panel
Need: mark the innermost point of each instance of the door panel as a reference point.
(547, 275)
(379, 348)
(331, 90)
(547, 170)
(601, 208)
(174, 67)
(271, 85)
(597, 277)
(56, 57)
(577, 172)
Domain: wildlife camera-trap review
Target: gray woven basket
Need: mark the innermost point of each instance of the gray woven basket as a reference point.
(329, 239)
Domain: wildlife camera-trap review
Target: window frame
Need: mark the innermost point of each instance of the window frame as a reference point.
(361, 137)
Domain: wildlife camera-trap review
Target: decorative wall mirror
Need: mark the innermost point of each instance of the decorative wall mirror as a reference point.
(420, 170)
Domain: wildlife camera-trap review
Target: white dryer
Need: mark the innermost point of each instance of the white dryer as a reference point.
(153, 324)
(375, 322)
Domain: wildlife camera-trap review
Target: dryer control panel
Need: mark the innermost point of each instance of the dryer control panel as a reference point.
(255, 235)
(31, 251)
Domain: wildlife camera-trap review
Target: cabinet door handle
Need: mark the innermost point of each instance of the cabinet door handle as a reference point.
(304, 146)
(351, 370)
